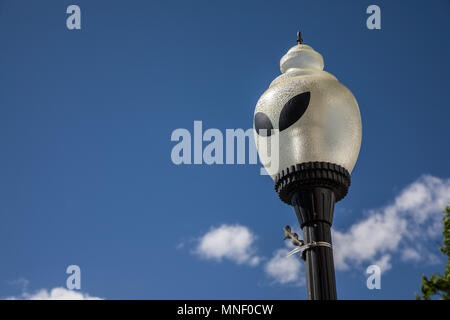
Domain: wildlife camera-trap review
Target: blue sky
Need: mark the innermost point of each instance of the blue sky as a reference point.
(86, 118)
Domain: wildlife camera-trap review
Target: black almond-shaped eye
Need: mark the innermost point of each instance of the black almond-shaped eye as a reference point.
(263, 122)
(293, 110)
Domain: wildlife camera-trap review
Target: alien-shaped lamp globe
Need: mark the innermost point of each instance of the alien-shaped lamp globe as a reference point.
(318, 123)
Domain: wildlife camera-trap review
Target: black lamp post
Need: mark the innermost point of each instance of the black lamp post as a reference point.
(307, 130)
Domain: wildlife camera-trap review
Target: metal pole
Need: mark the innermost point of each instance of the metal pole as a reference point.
(314, 208)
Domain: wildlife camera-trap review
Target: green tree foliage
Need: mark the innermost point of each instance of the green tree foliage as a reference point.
(437, 284)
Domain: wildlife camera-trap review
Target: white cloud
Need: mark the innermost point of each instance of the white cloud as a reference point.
(233, 242)
(58, 293)
(410, 254)
(402, 227)
(180, 245)
(384, 262)
(285, 270)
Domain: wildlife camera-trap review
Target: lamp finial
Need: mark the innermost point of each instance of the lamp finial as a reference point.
(299, 37)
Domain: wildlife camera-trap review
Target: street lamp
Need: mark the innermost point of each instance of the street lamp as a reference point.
(318, 125)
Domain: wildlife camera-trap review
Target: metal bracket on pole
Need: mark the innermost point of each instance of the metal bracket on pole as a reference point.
(301, 246)
(307, 246)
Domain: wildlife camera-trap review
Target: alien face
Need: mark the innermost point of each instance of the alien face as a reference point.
(291, 112)
(314, 118)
